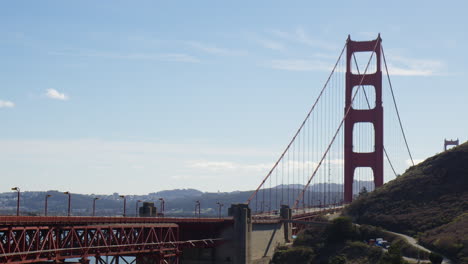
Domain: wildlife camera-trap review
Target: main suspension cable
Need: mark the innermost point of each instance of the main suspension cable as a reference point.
(300, 128)
(338, 129)
(396, 107)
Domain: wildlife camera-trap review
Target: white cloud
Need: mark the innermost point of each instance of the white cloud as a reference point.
(403, 66)
(270, 44)
(169, 57)
(212, 49)
(300, 35)
(6, 104)
(227, 165)
(299, 65)
(54, 94)
(124, 165)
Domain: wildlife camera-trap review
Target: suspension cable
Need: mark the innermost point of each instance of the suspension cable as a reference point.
(300, 128)
(396, 107)
(339, 127)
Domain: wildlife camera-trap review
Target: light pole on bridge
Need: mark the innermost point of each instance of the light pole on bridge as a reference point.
(162, 205)
(17, 189)
(69, 202)
(197, 208)
(124, 205)
(136, 208)
(45, 206)
(220, 205)
(94, 205)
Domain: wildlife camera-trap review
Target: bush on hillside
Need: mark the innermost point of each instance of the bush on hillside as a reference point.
(393, 255)
(341, 229)
(293, 255)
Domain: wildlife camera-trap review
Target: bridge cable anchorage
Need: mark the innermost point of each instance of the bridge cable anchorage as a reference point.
(368, 105)
(337, 130)
(300, 128)
(396, 107)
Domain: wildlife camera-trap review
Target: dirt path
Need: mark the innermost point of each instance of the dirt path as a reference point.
(414, 243)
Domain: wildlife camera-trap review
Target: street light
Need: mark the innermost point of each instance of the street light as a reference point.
(69, 202)
(45, 207)
(162, 202)
(197, 208)
(17, 189)
(220, 205)
(94, 205)
(125, 205)
(136, 208)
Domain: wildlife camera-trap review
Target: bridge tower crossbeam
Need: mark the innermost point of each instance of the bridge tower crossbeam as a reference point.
(353, 160)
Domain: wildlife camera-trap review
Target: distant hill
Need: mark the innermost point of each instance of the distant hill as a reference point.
(429, 199)
(179, 202)
(177, 193)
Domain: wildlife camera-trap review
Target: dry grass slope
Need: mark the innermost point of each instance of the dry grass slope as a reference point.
(429, 199)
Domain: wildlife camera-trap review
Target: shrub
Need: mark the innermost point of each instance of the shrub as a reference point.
(341, 230)
(393, 255)
(340, 259)
(293, 255)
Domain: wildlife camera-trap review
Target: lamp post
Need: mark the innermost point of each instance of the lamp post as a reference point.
(161, 205)
(17, 189)
(45, 206)
(136, 208)
(220, 205)
(124, 205)
(94, 205)
(69, 202)
(197, 208)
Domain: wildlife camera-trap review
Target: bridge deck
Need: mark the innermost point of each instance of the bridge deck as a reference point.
(87, 220)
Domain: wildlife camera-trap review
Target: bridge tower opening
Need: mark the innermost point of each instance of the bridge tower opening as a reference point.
(450, 142)
(370, 77)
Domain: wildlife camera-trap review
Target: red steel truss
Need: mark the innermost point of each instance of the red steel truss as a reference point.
(27, 239)
(29, 244)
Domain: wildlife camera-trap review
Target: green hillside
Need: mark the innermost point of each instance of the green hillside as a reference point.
(429, 199)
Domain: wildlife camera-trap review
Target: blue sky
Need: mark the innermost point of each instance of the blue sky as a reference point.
(140, 96)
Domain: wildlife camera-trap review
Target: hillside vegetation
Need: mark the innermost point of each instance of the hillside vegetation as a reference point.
(341, 242)
(429, 200)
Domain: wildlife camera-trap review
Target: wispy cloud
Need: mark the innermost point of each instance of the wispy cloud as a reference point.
(271, 44)
(228, 165)
(54, 94)
(300, 35)
(299, 65)
(6, 104)
(213, 49)
(169, 57)
(404, 66)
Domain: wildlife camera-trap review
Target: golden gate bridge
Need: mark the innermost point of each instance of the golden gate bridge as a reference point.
(336, 151)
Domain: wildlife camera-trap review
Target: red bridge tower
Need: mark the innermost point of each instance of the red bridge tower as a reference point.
(353, 160)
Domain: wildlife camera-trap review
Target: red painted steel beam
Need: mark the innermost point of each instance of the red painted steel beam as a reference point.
(353, 160)
(85, 220)
(29, 244)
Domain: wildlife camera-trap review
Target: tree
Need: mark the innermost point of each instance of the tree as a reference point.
(340, 230)
(340, 259)
(363, 191)
(393, 255)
